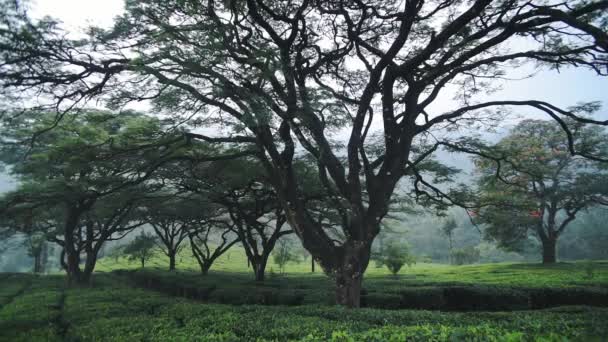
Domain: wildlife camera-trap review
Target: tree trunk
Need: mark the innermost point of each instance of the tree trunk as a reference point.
(259, 266)
(205, 268)
(312, 264)
(349, 275)
(44, 258)
(549, 250)
(89, 266)
(72, 264)
(62, 262)
(348, 289)
(143, 262)
(172, 261)
(259, 272)
(71, 252)
(84, 278)
(37, 263)
(73, 271)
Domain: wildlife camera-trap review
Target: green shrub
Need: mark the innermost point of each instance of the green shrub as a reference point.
(394, 256)
(484, 298)
(381, 300)
(465, 256)
(428, 298)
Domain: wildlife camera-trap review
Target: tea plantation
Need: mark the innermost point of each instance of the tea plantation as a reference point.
(497, 302)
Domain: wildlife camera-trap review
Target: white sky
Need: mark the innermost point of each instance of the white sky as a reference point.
(565, 89)
(78, 13)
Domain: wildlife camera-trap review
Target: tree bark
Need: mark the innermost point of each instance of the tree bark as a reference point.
(37, 263)
(72, 253)
(312, 264)
(89, 266)
(171, 260)
(205, 268)
(549, 250)
(348, 289)
(259, 267)
(349, 275)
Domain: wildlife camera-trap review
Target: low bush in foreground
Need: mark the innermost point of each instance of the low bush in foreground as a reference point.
(113, 311)
(301, 291)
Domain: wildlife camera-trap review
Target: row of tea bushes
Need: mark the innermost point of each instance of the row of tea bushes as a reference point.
(447, 297)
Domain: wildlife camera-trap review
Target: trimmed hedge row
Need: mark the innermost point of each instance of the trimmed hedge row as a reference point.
(486, 298)
(448, 298)
(258, 294)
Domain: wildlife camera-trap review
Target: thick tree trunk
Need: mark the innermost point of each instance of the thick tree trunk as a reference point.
(89, 266)
(72, 264)
(78, 276)
(72, 253)
(312, 264)
(62, 262)
(172, 261)
(84, 278)
(259, 267)
(73, 271)
(348, 289)
(549, 250)
(259, 273)
(349, 275)
(205, 268)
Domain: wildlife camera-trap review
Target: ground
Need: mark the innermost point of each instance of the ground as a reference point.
(495, 302)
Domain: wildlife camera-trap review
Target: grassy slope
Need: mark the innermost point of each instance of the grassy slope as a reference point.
(113, 311)
(531, 275)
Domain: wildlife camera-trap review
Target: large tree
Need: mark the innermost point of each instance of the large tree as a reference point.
(88, 171)
(282, 75)
(32, 227)
(169, 218)
(531, 185)
(210, 238)
(249, 203)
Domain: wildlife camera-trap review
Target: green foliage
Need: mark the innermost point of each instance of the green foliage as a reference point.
(533, 186)
(284, 254)
(394, 256)
(448, 227)
(589, 270)
(113, 311)
(466, 255)
(142, 248)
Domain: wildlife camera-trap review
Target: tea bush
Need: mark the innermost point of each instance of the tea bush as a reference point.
(158, 306)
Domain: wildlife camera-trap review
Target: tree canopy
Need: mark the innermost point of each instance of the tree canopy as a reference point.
(532, 185)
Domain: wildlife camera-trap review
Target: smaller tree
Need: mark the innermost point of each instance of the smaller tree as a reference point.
(169, 219)
(116, 252)
(448, 230)
(284, 254)
(533, 186)
(210, 239)
(36, 245)
(142, 248)
(395, 255)
(466, 255)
